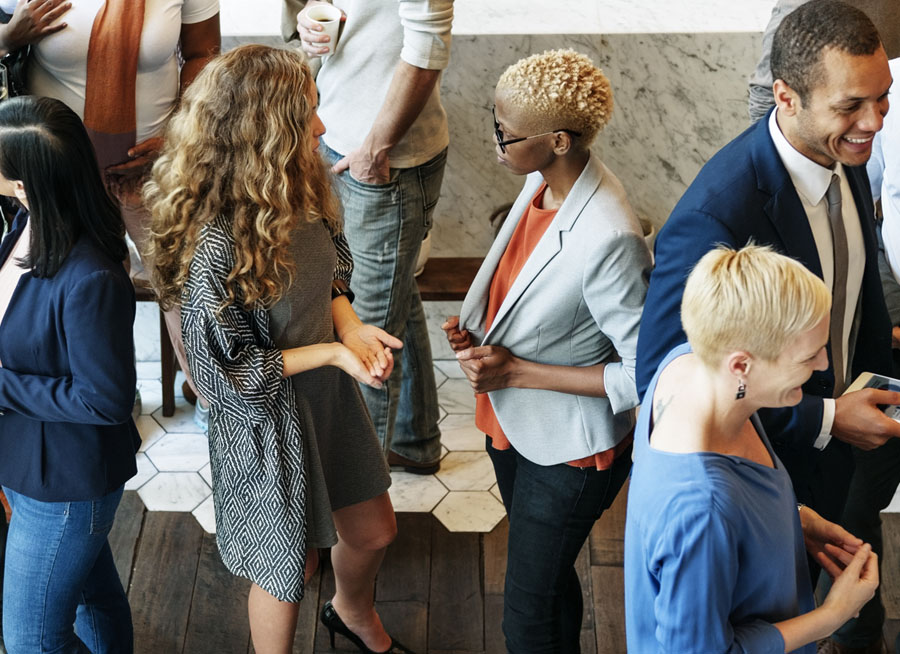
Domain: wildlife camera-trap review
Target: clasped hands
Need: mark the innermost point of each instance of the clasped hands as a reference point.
(488, 367)
(367, 354)
(849, 561)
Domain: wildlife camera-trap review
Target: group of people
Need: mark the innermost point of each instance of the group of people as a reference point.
(733, 340)
(238, 213)
(287, 253)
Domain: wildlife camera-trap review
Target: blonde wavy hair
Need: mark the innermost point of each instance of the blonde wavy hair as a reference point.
(239, 146)
(751, 299)
(560, 89)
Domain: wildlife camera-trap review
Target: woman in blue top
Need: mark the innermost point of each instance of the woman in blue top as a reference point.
(714, 542)
(67, 440)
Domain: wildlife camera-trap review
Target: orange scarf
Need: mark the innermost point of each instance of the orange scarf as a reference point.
(110, 113)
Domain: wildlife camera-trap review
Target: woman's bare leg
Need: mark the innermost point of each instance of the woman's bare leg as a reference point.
(364, 532)
(272, 622)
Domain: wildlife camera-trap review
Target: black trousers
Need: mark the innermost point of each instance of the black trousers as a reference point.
(551, 512)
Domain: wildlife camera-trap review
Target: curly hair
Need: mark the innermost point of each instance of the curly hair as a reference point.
(562, 89)
(239, 146)
(805, 34)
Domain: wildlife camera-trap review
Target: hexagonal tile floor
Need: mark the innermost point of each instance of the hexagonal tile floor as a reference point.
(173, 462)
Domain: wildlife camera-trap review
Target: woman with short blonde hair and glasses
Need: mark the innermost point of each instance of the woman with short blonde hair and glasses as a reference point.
(714, 542)
(547, 337)
(247, 239)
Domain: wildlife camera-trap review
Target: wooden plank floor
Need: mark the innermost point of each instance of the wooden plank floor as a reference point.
(438, 592)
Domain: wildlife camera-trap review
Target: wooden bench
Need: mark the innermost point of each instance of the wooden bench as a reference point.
(447, 278)
(444, 279)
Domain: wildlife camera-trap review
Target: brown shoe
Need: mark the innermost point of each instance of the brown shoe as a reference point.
(415, 467)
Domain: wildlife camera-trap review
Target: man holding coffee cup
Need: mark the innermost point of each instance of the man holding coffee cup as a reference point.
(387, 140)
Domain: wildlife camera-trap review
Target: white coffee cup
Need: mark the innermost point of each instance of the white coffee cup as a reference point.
(329, 17)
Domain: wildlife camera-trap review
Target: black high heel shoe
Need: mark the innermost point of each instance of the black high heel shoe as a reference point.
(332, 620)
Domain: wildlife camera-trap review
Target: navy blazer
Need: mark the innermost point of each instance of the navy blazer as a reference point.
(67, 378)
(744, 192)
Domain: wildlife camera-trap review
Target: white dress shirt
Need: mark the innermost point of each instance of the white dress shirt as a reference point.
(811, 182)
(884, 176)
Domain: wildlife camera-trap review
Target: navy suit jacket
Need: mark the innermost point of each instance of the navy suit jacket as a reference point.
(67, 378)
(744, 192)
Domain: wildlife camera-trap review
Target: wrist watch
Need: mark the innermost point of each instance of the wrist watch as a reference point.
(339, 287)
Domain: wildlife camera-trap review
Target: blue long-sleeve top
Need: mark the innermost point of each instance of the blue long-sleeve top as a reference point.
(714, 551)
(67, 378)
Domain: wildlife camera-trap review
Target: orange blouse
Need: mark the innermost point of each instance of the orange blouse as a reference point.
(528, 232)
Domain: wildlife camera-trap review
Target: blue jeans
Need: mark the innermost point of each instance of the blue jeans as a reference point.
(551, 512)
(385, 225)
(59, 572)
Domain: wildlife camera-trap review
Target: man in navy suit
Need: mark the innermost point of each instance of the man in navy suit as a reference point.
(773, 184)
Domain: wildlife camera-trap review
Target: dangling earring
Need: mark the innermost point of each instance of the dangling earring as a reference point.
(742, 390)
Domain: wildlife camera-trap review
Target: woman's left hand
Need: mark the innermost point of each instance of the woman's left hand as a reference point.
(488, 367)
(125, 180)
(830, 545)
(142, 156)
(373, 347)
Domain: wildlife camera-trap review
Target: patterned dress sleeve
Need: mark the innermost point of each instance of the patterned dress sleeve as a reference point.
(233, 363)
(343, 269)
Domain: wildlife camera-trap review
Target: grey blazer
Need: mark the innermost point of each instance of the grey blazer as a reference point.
(576, 302)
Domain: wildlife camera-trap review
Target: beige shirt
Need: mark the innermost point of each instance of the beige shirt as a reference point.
(353, 82)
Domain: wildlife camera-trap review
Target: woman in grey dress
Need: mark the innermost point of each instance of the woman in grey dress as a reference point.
(247, 240)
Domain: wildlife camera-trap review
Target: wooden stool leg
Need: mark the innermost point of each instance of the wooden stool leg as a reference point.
(167, 363)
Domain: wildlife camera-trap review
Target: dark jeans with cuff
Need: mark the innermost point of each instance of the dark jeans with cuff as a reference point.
(551, 512)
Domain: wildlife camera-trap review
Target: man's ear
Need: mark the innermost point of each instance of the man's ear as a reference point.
(786, 99)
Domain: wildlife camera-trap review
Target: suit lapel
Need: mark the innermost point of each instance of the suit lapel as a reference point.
(784, 209)
(551, 242)
(788, 216)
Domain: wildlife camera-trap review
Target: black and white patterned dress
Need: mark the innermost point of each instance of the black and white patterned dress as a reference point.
(255, 446)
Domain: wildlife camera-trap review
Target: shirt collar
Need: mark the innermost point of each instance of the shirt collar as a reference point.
(810, 179)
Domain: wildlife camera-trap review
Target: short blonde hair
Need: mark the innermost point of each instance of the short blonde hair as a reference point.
(561, 89)
(752, 299)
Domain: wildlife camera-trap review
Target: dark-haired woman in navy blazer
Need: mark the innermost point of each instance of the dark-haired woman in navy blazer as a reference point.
(67, 440)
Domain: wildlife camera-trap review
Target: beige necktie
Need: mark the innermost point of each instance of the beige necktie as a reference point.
(839, 286)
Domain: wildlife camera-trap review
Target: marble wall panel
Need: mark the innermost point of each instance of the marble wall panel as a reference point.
(678, 99)
(608, 16)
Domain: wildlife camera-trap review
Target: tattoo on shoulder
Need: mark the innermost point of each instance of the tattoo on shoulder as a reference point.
(659, 407)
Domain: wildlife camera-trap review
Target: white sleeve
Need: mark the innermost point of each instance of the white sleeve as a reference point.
(197, 11)
(426, 32)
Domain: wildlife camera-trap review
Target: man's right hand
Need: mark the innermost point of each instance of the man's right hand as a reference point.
(858, 420)
(310, 31)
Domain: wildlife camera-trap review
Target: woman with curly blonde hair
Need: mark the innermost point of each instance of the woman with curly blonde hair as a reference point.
(547, 337)
(247, 240)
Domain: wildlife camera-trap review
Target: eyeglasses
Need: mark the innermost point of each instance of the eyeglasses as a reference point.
(499, 133)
